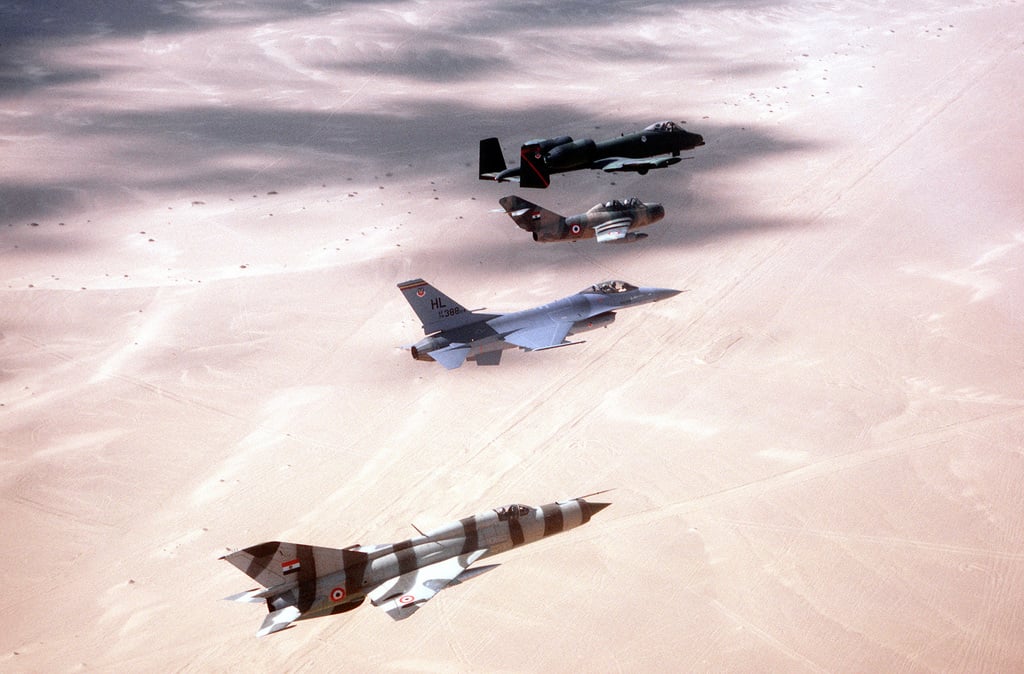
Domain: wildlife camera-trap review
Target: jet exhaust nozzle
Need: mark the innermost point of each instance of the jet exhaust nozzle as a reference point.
(421, 349)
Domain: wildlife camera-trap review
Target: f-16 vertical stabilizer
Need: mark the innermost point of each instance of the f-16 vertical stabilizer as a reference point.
(435, 309)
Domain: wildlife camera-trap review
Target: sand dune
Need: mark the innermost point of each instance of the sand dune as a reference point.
(816, 451)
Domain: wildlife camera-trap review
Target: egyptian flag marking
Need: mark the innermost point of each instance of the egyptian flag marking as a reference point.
(290, 566)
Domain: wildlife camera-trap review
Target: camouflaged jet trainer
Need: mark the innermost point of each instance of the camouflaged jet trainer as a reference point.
(657, 146)
(610, 222)
(456, 334)
(304, 581)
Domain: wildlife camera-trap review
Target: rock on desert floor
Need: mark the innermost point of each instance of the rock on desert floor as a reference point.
(816, 453)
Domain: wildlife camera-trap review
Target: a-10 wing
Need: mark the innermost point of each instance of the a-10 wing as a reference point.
(617, 164)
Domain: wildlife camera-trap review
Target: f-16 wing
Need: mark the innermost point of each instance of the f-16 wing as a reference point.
(615, 164)
(547, 335)
(402, 596)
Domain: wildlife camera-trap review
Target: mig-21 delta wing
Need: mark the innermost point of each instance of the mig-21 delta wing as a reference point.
(610, 222)
(657, 146)
(456, 334)
(304, 581)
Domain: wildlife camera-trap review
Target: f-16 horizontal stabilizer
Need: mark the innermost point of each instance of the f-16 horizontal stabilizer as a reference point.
(451, 356)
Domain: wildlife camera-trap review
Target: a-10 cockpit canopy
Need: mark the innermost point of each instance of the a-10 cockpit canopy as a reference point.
(513, 511)
(609, 288)
(665, 127)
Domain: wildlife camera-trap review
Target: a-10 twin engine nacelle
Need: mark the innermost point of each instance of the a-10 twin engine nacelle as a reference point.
(572, 155)
(593, 323)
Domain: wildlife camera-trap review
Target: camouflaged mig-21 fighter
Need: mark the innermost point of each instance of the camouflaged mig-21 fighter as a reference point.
(456, 334)
(608, 222)
(657, 146)
(304, 581)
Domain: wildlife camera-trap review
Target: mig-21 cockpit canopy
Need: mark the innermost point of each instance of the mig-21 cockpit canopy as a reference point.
(514, 511)
(610, 288)
(665, 127)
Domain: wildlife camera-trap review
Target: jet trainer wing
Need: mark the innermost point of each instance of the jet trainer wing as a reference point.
(544, 336)
(613, 230)
(401, 597)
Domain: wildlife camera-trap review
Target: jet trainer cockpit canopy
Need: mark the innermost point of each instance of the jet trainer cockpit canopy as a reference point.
(665, 127)
(616, 205)
(514, 511)
(610, 288)
(613, 205)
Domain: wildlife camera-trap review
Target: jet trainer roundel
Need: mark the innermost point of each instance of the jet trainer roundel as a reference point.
(300, 581)
(657, 146)
(456, 334)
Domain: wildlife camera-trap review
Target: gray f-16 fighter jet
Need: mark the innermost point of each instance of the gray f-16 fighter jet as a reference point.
(657, 146)
(455, 334)
(610, 222)
(305, 581)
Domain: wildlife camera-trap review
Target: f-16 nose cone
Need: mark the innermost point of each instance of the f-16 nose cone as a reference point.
(593, 507)
(663, 293)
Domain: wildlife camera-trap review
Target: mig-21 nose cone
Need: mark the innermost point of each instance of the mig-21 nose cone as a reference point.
(591, 508)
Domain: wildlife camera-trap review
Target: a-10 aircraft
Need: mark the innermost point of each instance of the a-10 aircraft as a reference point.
(304, 581)
(456, 334)
(609, 222)
(657, 146)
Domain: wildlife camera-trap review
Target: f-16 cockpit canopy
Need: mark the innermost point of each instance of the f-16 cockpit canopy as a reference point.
(514, 511)
(610, 288)
(665, 127)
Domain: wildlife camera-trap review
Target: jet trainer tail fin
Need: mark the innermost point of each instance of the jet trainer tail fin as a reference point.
(544, 224)
(492, 161)
(436, 310)
(275, 563)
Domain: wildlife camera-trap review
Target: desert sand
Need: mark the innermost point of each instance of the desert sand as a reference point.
(816, 453)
